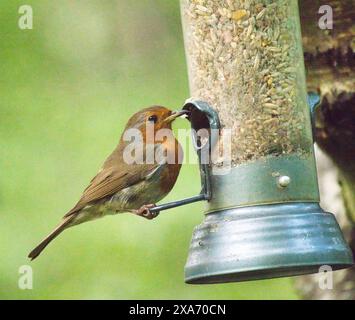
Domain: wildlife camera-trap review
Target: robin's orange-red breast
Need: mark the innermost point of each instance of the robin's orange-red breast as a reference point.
(121, 186)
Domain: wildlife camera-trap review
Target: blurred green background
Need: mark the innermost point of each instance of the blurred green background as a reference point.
(67, 87)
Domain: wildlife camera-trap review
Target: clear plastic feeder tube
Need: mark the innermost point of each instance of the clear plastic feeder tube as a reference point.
(245, 59)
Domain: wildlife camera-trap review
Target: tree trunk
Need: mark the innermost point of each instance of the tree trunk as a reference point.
(330, 59)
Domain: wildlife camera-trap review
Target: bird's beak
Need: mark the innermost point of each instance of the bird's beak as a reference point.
(175, 114)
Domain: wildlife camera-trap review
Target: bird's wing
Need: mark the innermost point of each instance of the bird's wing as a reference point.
(111, 180)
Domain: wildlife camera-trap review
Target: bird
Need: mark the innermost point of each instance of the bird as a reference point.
(123, 185)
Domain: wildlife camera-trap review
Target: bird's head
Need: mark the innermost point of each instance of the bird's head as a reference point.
(153, 118)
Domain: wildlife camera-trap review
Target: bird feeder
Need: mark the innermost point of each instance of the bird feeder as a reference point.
(263, 218)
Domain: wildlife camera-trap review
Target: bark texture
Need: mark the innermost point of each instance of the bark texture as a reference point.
(330, 64)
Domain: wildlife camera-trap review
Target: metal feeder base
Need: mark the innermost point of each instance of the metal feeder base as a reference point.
(265, 241)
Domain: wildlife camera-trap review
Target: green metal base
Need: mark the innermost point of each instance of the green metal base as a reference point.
(255, 183)
(265, 241)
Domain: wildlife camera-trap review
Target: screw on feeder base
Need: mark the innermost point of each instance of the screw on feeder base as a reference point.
(265, 241)
(264, 230)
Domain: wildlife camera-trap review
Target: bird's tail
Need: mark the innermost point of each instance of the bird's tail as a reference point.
(44, 243)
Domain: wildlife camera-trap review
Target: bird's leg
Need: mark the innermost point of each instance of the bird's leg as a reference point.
(145, 212)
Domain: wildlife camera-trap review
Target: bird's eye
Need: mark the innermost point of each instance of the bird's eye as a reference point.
(153, 118)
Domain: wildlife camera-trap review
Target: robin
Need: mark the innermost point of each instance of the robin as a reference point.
(122, 186)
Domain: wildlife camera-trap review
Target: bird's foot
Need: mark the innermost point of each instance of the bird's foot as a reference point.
(144, 211)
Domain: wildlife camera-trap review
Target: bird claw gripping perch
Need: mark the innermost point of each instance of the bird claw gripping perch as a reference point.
(146, 211)
(202, 116)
